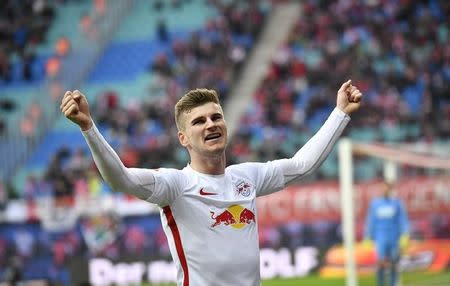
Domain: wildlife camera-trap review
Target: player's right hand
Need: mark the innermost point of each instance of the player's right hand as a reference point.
(75, 107)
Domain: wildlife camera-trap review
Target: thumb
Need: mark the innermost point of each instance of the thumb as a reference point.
(345, 85)
(76, 94)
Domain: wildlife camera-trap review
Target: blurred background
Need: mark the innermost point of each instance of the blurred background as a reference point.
(277, 66)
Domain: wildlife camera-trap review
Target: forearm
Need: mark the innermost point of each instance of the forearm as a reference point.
(137, 182)
(316, 150)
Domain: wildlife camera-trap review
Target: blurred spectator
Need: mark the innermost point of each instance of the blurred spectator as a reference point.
(62, 47)
(87, 27)
(135, 240)
(269, 237)
(161, 66)
(34, 188)
(27, 61)
(94, 183)
(24, 244)
(90, 20)
(161, 243)
(99, 7)
(100, 233)
(3, 197)
(4, 253)
(3, 127)
(7, 104)
(52, 67)
(106, 103)
(162, 31)
(78, 163)
(293, 234)
(5, 67)
(27, 127)
(55, 90)
(34, 111)
(60, 180)
(23, 25)
(13, 273)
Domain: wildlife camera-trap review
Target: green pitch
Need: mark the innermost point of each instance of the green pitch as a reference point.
(407, 279)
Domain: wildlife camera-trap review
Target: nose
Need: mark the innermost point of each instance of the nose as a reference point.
(210, 124)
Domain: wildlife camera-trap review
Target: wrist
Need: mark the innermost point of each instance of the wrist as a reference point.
(86, 126)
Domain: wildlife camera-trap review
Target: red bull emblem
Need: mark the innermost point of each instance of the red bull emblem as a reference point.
(236, 216)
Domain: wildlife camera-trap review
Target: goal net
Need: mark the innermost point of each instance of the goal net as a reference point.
(421, 176)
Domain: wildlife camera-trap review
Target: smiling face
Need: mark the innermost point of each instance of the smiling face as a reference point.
(201, 126)
(204, 131)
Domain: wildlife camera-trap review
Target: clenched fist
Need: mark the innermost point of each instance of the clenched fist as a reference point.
(348, 97)
(75, 107)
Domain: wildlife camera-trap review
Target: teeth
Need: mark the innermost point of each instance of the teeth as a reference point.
(212, 136)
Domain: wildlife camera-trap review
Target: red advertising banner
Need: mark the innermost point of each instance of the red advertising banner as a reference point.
(322, 201)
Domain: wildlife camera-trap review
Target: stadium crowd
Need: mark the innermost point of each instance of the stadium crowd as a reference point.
(206, 58)
(23, 26)
(404, 74)
(397, 52)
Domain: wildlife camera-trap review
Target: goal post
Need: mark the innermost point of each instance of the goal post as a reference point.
(392, 157)
(347, 211)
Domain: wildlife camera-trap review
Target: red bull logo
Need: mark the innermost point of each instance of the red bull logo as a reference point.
(236, 216)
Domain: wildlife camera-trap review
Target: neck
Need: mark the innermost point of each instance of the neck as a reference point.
(209, 165)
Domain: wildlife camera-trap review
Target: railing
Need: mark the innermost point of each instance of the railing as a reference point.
(16, 147)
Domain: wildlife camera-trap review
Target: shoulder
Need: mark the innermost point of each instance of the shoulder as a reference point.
(170, 174)
(254, 170)
(166, 171)
(247, 167)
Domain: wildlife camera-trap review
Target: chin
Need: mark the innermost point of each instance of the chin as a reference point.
(216, 151)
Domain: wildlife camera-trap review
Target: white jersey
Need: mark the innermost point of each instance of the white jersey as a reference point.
(211, 220)
(211, 223)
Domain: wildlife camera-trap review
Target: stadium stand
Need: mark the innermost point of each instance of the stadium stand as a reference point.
(405, 91)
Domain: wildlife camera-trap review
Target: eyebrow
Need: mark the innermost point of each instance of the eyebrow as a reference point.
(202, 116)
(196, 118)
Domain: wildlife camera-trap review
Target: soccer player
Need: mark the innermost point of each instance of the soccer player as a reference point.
(388, 226)
(208, 210)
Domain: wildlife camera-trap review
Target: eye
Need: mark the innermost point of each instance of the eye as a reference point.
(198, 121)
(217, 117)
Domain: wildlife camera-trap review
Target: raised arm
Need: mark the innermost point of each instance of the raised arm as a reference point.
(137, 182)
(316, 150)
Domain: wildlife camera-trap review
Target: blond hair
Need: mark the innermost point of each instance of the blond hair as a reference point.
(192, 99)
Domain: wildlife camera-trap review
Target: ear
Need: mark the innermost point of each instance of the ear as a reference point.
(184, 141)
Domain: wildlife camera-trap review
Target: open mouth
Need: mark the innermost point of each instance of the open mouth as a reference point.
(212, 136)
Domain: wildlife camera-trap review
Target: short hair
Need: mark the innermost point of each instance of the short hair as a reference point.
(192, 99)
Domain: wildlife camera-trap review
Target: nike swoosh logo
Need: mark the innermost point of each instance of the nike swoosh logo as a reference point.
(203, 193)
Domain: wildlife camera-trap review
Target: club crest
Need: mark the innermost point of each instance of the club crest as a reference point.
(243, 188)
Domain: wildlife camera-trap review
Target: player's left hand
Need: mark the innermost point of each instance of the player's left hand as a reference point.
(348, 97)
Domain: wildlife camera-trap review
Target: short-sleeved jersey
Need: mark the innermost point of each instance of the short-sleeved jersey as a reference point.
(210, 221)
